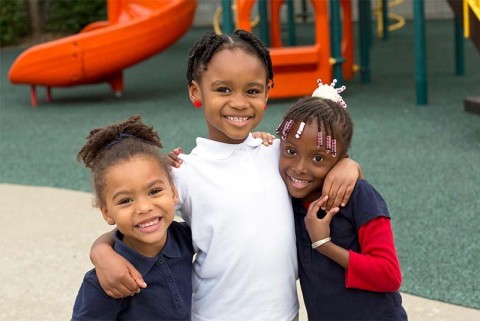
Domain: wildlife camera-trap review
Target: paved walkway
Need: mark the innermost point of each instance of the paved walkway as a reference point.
(46, 236)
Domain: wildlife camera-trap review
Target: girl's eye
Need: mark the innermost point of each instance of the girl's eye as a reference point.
(318, 158)
(125, 201)
(290, 151)
(224, 90)
(155, 191)
(253, 91)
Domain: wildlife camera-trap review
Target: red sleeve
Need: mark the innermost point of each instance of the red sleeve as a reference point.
(376, 267)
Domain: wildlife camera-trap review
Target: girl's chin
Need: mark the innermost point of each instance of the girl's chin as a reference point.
(297, 194)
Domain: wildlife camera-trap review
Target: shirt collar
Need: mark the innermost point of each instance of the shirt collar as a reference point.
(144, 263)
(217, 150)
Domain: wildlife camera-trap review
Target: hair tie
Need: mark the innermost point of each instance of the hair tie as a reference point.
(123, 136)
(330, 92)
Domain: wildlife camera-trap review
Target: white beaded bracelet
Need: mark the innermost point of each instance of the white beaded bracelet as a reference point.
(321, 242)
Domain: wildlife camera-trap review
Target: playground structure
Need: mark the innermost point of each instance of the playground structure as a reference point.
(138, 29)
(135, 30)
(331, 55)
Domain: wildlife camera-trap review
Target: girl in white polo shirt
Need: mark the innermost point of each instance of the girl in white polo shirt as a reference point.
(231, 194)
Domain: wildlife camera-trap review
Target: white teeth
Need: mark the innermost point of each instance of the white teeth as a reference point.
(237, 119)
(297, 181)
(143, 225)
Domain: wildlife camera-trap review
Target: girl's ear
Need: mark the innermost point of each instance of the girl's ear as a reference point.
(194, 91)
(174, 193)
(269, 86)
(106, 215)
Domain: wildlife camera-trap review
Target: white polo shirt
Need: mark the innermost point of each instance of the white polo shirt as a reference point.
(242, 224)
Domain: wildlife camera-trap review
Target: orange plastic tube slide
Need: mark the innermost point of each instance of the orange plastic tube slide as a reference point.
(135, 31)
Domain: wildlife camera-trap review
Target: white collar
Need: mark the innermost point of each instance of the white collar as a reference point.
(217, 150)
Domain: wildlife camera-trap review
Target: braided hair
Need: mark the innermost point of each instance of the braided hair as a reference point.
(332, 119)
(109, 145)
(211, 43)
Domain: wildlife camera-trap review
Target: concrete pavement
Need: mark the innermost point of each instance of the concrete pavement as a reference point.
(46, 234)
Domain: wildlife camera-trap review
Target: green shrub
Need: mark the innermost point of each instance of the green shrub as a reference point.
(14, 23)
(70, 16)
(58, 16)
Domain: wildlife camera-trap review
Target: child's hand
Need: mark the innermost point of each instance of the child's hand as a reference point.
(118, 277)
(339, 183)
(173, 159)
(266, 137)
(317, 228)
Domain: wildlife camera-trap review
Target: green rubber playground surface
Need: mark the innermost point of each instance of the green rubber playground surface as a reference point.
(425, 160)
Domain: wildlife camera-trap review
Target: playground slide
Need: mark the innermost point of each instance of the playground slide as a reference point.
(135, 30)
(298, 68)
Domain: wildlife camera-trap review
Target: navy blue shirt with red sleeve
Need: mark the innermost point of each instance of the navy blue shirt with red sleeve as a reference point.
(168, 275)
(329, 292)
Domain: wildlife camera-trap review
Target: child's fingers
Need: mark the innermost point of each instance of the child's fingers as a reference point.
(267, 138)
(137, 277)
(123, 289)
(336, 199)
(316, 205)
(326, 191)
(347, 194)
(330, 214)
(173, 159)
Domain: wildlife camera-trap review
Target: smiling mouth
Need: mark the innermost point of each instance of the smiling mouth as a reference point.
(238, 120)
(152, 222)
(298, 183)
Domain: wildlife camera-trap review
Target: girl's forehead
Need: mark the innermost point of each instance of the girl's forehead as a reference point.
(235, 56)
(235, 65)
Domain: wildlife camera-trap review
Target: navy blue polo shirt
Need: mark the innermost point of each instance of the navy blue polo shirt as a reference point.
(168, 276)
(323, 280)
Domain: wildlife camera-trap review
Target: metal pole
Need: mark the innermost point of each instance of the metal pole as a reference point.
(292, 39)
(264, 31)
(364, 37)
(421, 68)
(459, 49)
(336, 40)
(227, 18)
(385, 19)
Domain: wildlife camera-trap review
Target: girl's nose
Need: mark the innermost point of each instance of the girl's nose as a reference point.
(239, 102)
(144, 206)
(299, 166)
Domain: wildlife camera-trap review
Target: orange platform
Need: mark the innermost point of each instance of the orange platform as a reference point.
(297, 68)
(135, 30)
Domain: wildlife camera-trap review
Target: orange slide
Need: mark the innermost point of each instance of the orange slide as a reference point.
(135, 30)
(297, 68)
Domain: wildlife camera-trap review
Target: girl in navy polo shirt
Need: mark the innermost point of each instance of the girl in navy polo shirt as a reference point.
(134, 190)
(348, 265)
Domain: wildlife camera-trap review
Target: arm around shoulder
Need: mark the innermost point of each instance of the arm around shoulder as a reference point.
(340, 182)
(116, 275)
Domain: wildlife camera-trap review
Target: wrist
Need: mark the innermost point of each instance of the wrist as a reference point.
(317, 244)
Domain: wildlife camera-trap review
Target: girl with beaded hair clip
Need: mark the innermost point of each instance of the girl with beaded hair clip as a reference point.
(231, 193)
(134, 191)
(348, 266)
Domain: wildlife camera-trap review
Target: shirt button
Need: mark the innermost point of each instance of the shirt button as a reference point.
(170, 279)
(160, 261)
(177, 297)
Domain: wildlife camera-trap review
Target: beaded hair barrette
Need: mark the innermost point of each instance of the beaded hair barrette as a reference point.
(330, 92)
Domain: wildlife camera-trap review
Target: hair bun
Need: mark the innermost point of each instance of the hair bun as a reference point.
(330, 92)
